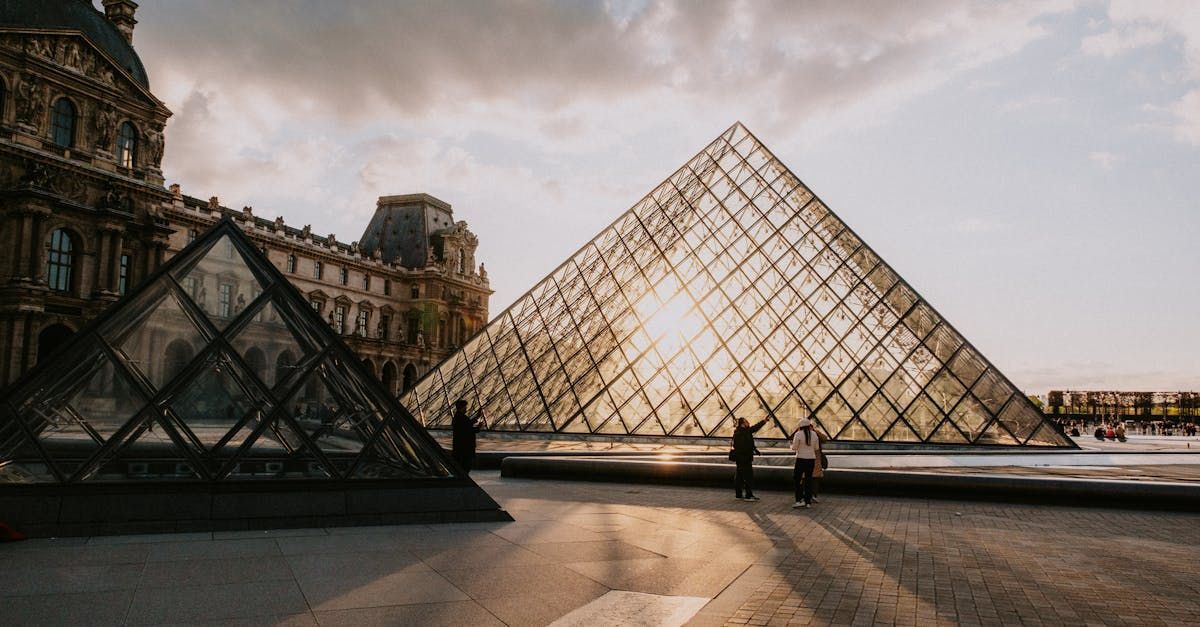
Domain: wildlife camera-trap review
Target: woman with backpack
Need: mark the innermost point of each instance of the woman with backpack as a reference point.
(805, 443)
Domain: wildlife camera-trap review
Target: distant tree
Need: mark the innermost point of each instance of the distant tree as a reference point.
(1056, 400)
(1037, 401)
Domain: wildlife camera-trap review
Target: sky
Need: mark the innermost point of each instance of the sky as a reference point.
(1031, 168)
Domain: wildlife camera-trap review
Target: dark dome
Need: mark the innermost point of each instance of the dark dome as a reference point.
(80, 15)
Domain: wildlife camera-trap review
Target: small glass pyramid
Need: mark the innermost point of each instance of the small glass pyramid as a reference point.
(215, 370)
(731, 290)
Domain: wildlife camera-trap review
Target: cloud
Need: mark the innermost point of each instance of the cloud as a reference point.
(1031, 101)
(310, 109)
(1119, 40)
(1106, 160)
(1135, 24)
(1187, 116)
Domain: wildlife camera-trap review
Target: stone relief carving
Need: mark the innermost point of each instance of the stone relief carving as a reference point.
(69, 53)
(36, 175)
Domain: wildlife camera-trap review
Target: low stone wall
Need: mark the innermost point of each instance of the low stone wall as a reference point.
(42, 511)
(1056, 490)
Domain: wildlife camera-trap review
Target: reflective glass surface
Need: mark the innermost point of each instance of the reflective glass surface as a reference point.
(730, 290)
(214, 370)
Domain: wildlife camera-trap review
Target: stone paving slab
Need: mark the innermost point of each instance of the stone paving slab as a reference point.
(849, 560)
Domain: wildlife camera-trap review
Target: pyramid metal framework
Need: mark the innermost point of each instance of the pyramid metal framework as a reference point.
(731, 290)
(216, 370)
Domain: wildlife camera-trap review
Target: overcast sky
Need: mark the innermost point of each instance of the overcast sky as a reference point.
(1032, 168)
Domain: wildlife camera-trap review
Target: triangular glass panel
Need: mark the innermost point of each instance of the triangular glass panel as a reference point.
(158, 337)
(268, 346)
(948, 434)
(995, 434)
(21, 460)
(900, 432)
(74, 411)
(220, 281)
(856, 431)
(150, 451)
(218, 399)
(733, 263)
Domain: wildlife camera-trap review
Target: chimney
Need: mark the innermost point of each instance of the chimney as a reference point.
(120, 13)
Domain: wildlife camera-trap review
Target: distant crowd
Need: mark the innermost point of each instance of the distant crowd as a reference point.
(1117, 429)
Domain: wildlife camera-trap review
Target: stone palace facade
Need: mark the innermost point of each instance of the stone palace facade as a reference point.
(84, 214)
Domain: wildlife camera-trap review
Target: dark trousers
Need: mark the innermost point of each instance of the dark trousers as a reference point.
(744, 477)
(803, 476)
(464, 459)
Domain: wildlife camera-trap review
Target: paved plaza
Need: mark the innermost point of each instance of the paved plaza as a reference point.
(592, 553)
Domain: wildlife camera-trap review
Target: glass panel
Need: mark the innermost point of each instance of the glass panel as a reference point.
(269, 347)
(224, 282)
(160, 341)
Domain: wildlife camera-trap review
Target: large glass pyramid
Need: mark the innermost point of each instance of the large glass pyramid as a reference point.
(731, 290)
(214, 371)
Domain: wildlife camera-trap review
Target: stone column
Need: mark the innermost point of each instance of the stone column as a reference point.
(37, 218)
(100, 274)
(118, 248)
(25, 245)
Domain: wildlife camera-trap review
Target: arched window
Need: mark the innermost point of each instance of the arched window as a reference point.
(60, 261)
(62, 123)
(126, 145)
(3, 97)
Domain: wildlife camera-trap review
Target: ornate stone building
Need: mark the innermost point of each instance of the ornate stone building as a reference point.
(84, 215)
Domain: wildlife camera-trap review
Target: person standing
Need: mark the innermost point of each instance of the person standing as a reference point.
(805, 444)
(743, 456)
(464, 429)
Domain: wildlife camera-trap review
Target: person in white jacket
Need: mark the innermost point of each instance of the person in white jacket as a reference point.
(806, 445)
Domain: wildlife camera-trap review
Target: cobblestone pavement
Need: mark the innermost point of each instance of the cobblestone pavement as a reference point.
(849, 560)
(884, 561)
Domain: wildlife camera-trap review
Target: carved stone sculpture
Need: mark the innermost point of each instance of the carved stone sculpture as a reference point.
(31, 102)
(102, 123)
(154, 145)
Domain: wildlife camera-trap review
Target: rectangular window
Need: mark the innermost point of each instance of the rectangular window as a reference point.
(192, 235)
(387, 287)
(291, 264)
(229, 248)
(224, 300)
(345, 277)
(385, 324)
(416, 291)
(367, 282)
(123, 275)
(189, 286)
(414, 329)
(317, 305)
(339, 319)
(360, 325)
(317, 270)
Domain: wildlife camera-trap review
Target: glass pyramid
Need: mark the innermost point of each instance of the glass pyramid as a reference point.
(215, 370)
(731, 290)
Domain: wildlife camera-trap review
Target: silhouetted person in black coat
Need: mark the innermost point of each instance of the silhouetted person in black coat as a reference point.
(465, 427)
(743, 456)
